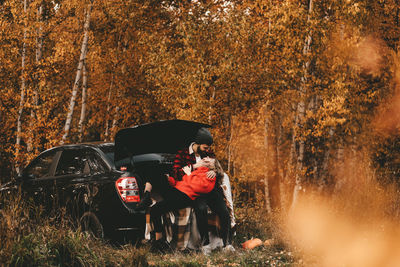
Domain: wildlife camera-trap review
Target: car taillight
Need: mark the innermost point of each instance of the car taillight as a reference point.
(128, 189)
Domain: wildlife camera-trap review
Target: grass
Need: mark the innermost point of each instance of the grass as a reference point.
(27, 239)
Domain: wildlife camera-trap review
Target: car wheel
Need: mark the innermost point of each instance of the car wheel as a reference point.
(91, 224)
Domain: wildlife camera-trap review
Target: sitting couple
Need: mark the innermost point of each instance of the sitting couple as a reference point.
(195, 183)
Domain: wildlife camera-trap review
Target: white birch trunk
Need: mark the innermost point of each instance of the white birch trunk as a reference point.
(22, 95)
(106, 132)
(107, 126)
(83, 104)
(68, 121)
(115, 120)
(293, 146)
(327, 155)
(301, 114)
(39, 45)
(117, 108)
(211, 105)
(300, 157)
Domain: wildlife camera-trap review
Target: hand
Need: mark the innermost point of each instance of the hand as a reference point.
(211, 174)
(186, 170)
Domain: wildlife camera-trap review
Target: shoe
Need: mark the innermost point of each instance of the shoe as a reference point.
(207, 249)
(228, 248)
(160, 246)
(145, 202)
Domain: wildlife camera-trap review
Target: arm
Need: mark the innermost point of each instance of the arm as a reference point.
(171, 181)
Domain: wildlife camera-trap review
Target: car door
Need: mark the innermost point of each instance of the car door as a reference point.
(38, 179)
(70, 173)
(77, 175)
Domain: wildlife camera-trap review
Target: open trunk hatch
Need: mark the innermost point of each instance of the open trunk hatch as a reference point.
(154, 140)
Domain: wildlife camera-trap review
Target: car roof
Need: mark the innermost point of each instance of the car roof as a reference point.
(86, 144)
(97, 144)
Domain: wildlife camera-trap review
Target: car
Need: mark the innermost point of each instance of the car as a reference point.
(100, 184)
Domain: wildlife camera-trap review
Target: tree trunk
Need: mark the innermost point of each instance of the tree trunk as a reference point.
(118, 92)
(230, 146)
(301, 114)
(107, 126)
(78, 76)
(83, 104)
(275, 178)
(211, 101)
(281, 166)
(22, 95)
(324, 171)
(267, 167)
(106, 132)
(39, 45)
(115, 120)
(300, 155)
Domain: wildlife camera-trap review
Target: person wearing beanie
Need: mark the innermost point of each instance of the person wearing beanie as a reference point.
(181, 194)
(187, 161)
(203, 136)
(190, 159)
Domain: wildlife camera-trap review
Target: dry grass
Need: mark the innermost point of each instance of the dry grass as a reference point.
(27, 239)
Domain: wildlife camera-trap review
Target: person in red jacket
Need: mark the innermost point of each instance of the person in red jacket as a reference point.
(181, 194)
(189, 159)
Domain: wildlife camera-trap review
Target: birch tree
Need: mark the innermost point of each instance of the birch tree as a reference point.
(83, 104)
(75, 88)
(301, 109)
(23, 85)
(38, 57)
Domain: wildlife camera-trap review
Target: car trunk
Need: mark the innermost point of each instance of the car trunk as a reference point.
(152, 146)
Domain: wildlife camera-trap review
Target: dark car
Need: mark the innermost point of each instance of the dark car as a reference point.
(100, 184)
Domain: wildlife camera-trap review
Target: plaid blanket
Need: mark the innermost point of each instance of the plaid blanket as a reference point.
(180, 226)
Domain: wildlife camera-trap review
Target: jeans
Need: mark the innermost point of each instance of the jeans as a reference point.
(216, 202)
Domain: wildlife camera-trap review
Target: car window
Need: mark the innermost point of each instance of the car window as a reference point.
(41, 166)
(109, 151)
(97, 164)
(72, 161)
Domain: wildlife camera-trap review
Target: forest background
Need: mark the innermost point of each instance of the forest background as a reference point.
(295, 90)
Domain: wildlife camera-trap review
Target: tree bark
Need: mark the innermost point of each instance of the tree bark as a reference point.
(267, 167)
(22, 95)
(107, 126)
(273, 169)
(39, 45)
(115, 120)
(301, 114)
(106, 132)
(211, 101)
(230, 145)
(324, 171)
(82, 58)
(83, 104)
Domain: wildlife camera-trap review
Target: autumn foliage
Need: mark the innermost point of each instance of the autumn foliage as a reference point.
(290, 87)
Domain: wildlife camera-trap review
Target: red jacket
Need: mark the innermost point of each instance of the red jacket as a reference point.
(195, 184)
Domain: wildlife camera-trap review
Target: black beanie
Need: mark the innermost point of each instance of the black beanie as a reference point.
(203, 136)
